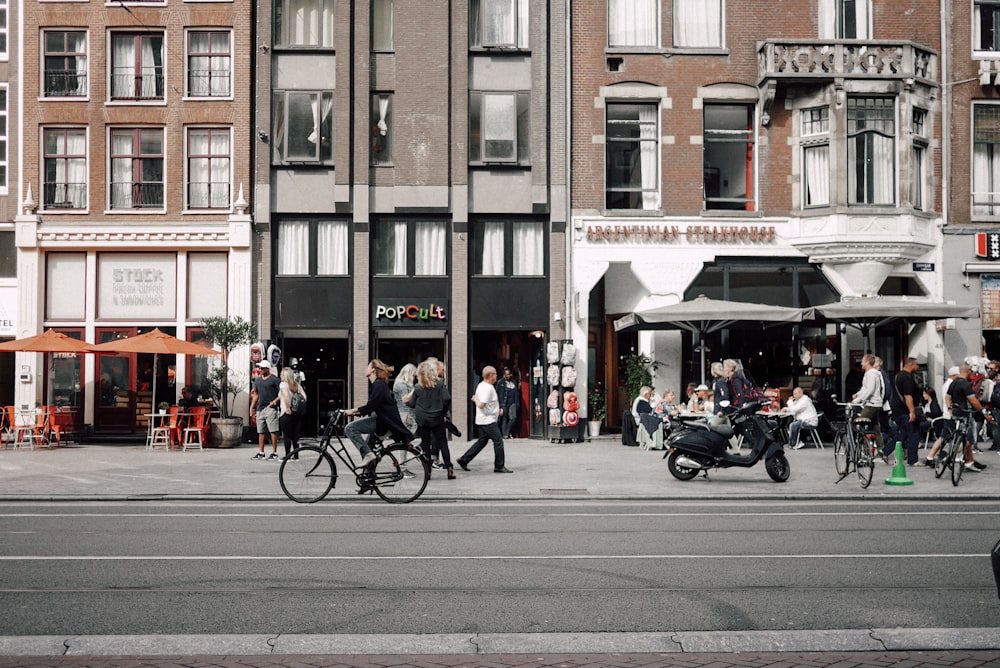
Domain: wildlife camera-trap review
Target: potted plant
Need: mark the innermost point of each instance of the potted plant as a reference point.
(227, 333)
(598, 405)
(162, 407)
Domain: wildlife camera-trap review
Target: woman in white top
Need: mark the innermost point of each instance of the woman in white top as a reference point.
(289, 422)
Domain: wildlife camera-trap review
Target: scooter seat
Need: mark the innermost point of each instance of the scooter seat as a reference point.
(724, 430)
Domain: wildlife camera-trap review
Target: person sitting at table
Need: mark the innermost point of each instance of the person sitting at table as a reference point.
(696, 403)
(804, 417)
(642, 405)
(187, 400)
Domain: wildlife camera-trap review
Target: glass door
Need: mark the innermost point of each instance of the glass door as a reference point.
(114, 408)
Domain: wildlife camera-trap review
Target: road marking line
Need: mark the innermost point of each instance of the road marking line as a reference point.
(512, 557)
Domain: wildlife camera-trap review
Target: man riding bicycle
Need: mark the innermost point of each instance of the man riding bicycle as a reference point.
(963, 403)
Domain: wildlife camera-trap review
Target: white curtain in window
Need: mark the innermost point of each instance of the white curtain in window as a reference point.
(198, 169)
(121, 170)
(817, 177)
(293, 248)
(310, 22)
(884, 153)
(698, 23)
(429, 251)
(122, 84)
(985, 179)
(220, 67)
(633, 22)
(492, 249)
(75, 176)
(828, 10)
(498, 22)
(81, 75)
(383, 114)
(319, 115)
(280, 121)
(150, 59)
(861, 18)
(382, 16)
(392, 248)
(198, 79)
(522, 24)
(648, 154)
(331, 248)
(219, 170)
(529, 249)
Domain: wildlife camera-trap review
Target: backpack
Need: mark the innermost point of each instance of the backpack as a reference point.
(297, 403)
(976, 380)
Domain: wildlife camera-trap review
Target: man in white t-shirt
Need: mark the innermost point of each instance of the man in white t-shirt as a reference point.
(487, 411)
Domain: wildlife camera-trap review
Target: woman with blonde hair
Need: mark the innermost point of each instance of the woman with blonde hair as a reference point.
(288, 422)
(431, 402)
(402, 386)
(379, 415)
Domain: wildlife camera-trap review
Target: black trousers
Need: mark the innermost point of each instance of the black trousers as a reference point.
(290, 426)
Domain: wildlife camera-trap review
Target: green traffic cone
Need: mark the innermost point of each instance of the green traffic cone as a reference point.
(899, 470)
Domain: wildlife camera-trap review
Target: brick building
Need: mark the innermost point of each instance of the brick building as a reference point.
(9, 115)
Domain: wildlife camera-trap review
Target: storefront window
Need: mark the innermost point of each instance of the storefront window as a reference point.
(66, 370)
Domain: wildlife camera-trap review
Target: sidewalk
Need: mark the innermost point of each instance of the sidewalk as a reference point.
(596, 469)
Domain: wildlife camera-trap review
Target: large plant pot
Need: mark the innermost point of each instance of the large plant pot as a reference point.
(594, 428)
(227, 432)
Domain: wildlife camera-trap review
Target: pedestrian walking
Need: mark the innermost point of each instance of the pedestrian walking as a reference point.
(431, 402)
(487, 412)
(289, 421)
(264, 405)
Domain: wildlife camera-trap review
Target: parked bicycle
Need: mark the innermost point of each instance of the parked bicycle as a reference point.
(952, 453)
(399, 473)
(854, 445)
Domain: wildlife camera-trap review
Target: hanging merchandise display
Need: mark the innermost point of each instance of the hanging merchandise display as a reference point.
(564, 425)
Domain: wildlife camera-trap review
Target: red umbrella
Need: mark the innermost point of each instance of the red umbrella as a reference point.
(155, 342)
(50, 341)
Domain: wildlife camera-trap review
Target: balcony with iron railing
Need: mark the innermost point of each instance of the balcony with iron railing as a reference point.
(65, 196)
(132, 196)
(127, 85)
(202, 195)
(65, 83)
(819, 61)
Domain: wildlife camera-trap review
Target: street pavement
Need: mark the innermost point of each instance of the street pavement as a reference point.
(596, 469)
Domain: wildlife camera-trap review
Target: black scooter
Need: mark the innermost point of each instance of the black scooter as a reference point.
(701, 446)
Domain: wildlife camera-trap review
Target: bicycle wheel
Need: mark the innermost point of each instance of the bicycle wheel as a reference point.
(841, 454)
(942, 460)
(864, 459)
(401, 474)
(957, 461)
(308, 475)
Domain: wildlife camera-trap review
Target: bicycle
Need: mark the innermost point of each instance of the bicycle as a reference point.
(854, 445)
(399, 473)
(952, 453)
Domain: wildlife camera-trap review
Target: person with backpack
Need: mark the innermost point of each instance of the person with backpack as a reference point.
(292, 402)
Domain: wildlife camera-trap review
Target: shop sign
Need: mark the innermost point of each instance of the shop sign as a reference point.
(136, 286)
(8, 310)
(988, 245)
(923, 266)
(732, 234)
(411, 312)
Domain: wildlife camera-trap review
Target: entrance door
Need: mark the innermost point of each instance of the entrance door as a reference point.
(114, 408)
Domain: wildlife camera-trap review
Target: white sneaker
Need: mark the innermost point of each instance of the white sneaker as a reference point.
(368, 459)
(798, 446)
(259, 455)
(273, 457)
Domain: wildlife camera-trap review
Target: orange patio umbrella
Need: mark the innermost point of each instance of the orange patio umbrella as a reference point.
(155, 342)
(49, 341)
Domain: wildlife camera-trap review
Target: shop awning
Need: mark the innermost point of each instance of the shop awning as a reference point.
(867, 312)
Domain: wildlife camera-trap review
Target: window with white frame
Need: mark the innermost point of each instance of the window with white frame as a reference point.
(986, 25)
(729, 156)
(815, 133)
(382, 25)
(498, 127)
(919, 130)
(208, 168)
(871, 151)
(508, 248)
(382, 125)
(498, 24)
(137, 66)
(845, 19)
(986, 160)
(65, 61)
(410, 248)
(302, 127)
(303, 24)
(633, 23)
(3, 29)
(3, 137)
(313, 248)
(136, 168)
(698, 24)
(632, 156)
(209, 63)
(65, 165)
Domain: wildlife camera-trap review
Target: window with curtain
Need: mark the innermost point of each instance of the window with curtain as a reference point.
(293, 248)
(382, 27)
(986, 160)
(137, 66)
(430, 245)
(986, 29)
(529, 248)
(3, 137)
(871, 151)
(332, 248)
(633, 23)
(729, 156)
(498, 127)
(136, 168)
(498, 24)
(302, 129)
(816, 156)
(65, 63)
(390, 248)
(65, 167)
(631, 153)
(489, 249)
(3, 28)
(381, 129)
(208, 169)
(845, 19)
(918, 130)
(698, 24)
(209, 63)
(303, 24)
